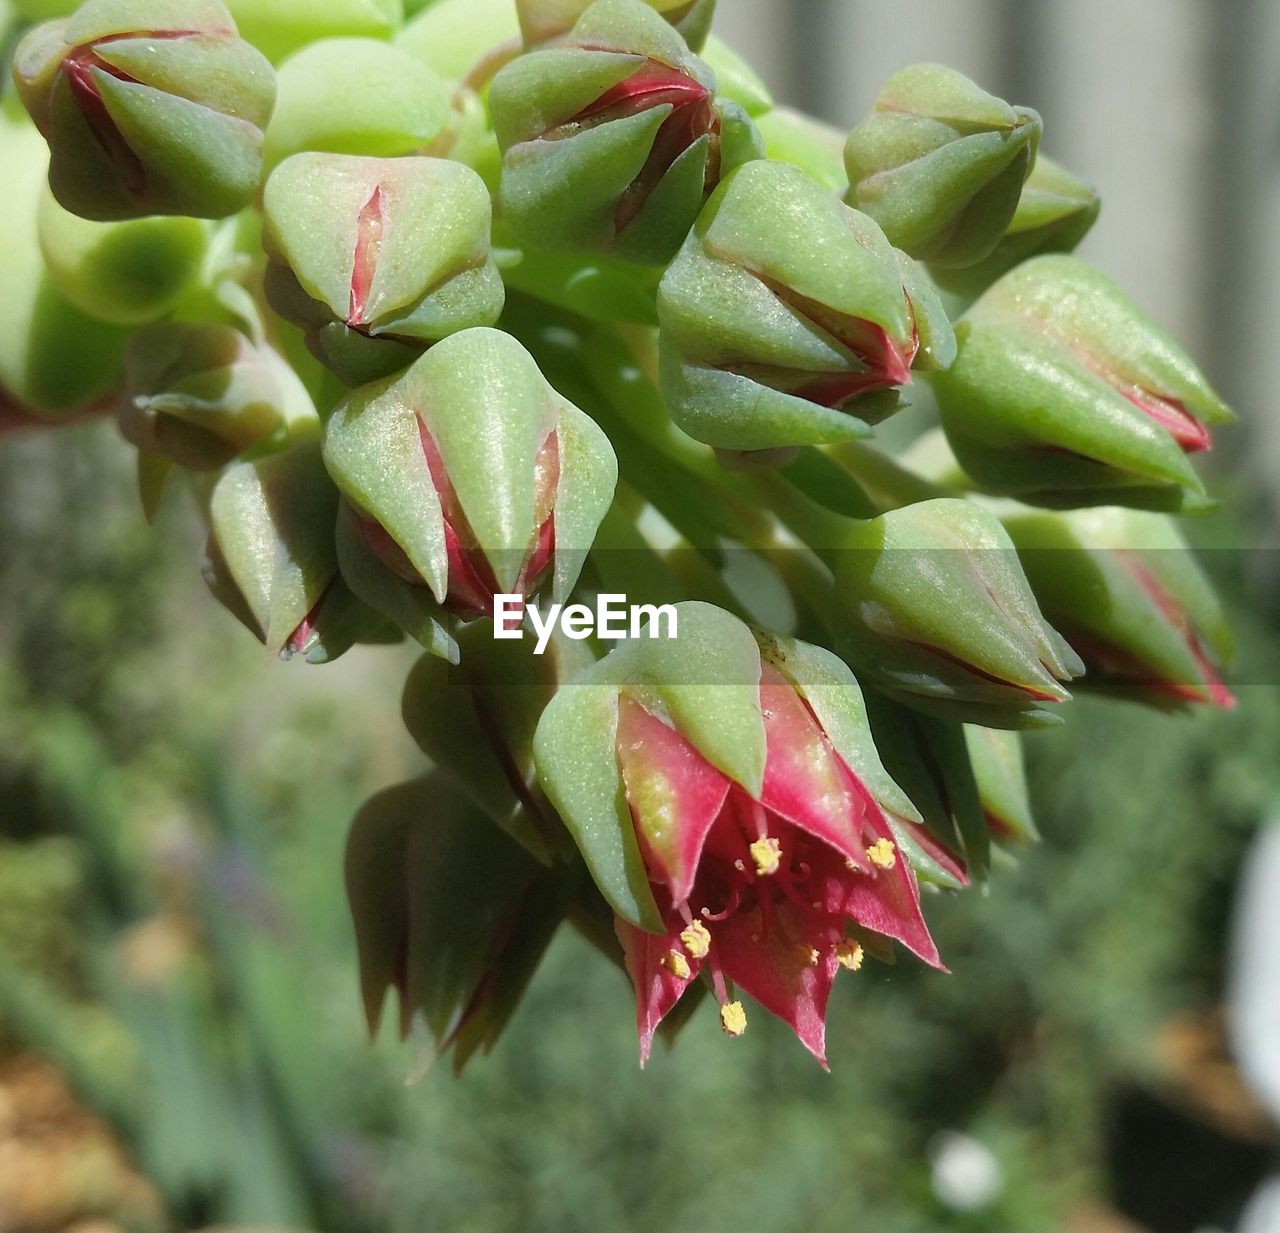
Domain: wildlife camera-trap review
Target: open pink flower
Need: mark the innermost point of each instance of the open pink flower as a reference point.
(759, 892)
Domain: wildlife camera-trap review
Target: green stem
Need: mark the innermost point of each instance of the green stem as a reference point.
(887, 483)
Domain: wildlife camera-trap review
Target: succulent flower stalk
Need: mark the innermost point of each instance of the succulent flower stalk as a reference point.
(470, 475)
(788, 319)
(1064, 393)
(937, 613)
(940, 164)
(613, 137)
(149, 107)
(281, 27)
(728, 800)
(376, 259)
(1127, 593)
(200, 395)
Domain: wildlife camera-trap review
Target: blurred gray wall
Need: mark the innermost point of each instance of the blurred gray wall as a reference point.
(1170, 107)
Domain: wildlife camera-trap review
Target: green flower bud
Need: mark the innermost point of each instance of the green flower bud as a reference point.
(788, 319)
(201, 394)
(389, 103)
(937, 613)
(1065, 394)
(375, 259)
(940, 164)
(613, 137)
(149, 107)
(458, 37)
(475, 721)
(55, 362)
(449, 912)
(1054, 214)
(1128, 595)
(129, 272)
(271, 561)
(471, 475)
(1001, 777)
(543, 20)
(278, 28)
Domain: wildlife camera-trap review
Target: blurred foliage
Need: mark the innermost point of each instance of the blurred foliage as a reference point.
(173, 933)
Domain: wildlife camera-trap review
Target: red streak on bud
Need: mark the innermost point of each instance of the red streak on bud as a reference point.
(1191, 435)
(472, 584)
(1215, 692)
(364, 265)
(692, 117)
(79, 68)
(1036, 695)
(302, 637)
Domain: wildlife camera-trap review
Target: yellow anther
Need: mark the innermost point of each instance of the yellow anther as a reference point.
(697, 939)
(851, 865)
(676, 964)
(882, 854)
(767, 854)
(849, 955)
(808, 955)
(733, 1019)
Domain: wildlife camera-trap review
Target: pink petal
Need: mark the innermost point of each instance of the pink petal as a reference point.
(675, 795)
(657, 989)
(803, 777)
(774, 967)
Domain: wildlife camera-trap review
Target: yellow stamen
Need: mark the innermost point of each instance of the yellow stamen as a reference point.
(676, 964)
(882, 854)
(808, 955)
(851, 865)
(767, 854)
(697, 939)
(733, 1019)
(849, 955)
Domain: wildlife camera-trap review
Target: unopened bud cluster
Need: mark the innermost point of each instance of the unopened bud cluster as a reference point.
(459, 328)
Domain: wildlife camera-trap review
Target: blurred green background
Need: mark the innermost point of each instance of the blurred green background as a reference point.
(181, 1045)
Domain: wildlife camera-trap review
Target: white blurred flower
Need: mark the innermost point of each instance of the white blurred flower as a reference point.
(966, 1174)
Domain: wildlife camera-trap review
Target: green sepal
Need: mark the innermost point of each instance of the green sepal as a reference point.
(705, 682)
(937, 612)
(442, 903)
(1055, 212)
(1001, 776)
(356, 96)
(940, 164)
